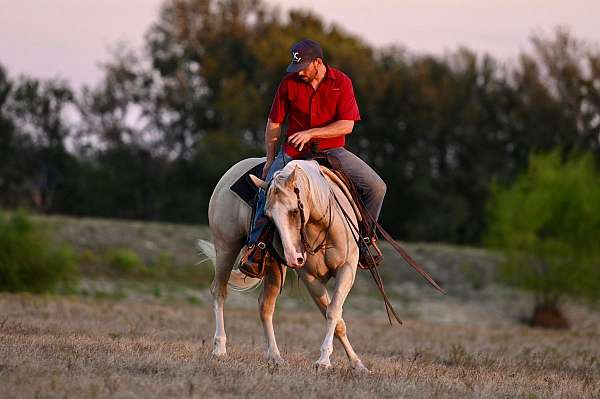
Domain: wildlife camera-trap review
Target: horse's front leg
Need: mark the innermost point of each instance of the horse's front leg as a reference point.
(343, 283)
(318, 291)
(267, 300)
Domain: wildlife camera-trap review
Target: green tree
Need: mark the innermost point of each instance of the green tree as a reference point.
(548, 225)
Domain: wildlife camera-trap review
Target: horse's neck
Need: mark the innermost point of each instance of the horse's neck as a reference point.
(316, 190)
(324, 209)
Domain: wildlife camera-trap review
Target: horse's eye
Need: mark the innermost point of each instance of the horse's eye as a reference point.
(294, 212)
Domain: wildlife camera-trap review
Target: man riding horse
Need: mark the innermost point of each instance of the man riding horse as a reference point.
(319, 104)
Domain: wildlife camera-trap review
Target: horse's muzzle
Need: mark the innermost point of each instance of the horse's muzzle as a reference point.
(298, 262)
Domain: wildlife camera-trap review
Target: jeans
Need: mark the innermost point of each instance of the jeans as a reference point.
(260, 220)
(368, 183)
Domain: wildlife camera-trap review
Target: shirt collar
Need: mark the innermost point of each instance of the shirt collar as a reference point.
(330, 73)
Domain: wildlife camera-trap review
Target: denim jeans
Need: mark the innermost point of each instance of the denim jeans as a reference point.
(368, 183)
(260, 220)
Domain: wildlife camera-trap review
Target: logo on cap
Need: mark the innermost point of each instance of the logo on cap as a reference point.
(295, 57)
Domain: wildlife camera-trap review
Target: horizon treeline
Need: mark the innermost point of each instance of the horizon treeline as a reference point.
(152, 138)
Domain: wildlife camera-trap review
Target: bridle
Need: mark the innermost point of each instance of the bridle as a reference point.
(303, 239)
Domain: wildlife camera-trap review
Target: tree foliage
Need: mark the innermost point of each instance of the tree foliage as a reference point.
(548, 224)
(153, 137)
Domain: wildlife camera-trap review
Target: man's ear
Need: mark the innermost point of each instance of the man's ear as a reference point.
(258, 182)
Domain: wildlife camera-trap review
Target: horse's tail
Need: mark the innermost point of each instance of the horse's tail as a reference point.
(238, 281)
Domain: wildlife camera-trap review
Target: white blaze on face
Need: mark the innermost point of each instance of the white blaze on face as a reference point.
(282, 208)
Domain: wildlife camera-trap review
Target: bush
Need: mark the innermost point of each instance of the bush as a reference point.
(29, 260)
(125, 262)
(548, 225)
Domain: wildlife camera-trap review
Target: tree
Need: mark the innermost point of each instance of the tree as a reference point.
(9, 169)
(548, 225)
(39, 109)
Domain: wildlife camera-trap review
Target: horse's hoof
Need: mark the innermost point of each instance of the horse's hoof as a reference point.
(275, 360)
(219, 353)
(322, 366)
(361, 369)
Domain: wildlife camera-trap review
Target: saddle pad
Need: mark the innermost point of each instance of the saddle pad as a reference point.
(244, 187)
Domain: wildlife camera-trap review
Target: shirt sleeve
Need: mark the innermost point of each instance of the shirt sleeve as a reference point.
(347, 108)
(281, 103)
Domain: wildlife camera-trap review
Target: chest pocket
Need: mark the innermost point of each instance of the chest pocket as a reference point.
(330, 103)
(299, 104)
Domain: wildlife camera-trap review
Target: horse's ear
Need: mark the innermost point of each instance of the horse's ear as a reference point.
(258, 182)
(291, 180)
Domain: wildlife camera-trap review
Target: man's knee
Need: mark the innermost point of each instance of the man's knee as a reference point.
(378, 188)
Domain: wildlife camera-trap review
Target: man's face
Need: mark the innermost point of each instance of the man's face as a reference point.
(309, 73)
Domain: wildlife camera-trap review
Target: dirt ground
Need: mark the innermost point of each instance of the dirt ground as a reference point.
(72, 347)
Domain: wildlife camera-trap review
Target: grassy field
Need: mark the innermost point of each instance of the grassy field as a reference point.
(151, 337)
(60, 347)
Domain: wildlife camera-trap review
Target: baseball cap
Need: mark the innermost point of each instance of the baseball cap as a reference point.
(303, 53)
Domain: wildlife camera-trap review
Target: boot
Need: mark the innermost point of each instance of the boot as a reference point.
(370, 255)
(254, 260)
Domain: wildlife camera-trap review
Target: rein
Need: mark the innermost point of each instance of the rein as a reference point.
(355, 230)
(372, 269)
(391, 312)
(303, 238)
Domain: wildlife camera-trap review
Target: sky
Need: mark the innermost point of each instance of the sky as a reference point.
(70, 38)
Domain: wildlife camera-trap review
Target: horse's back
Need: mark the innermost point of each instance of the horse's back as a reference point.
(236, 171)
(227, 214)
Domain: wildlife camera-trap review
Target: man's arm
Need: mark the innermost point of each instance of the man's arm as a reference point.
(272, 132)
(337, 128)
(334, 129)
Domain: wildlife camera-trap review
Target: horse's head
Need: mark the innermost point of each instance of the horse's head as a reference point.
(282, 207)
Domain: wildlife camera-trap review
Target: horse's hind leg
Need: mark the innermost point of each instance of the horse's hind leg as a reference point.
(226, 256)
(268, 297)
(319, 294)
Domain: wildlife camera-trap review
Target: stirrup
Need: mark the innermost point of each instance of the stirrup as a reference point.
(253, 262)
(372, 242)
(367, 259)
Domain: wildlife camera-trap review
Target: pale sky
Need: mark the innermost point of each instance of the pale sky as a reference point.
(69, 38)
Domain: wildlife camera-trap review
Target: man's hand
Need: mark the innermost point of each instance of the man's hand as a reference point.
(299, 139)
(266, 168)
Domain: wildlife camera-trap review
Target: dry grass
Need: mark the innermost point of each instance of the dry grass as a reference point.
(73, 347)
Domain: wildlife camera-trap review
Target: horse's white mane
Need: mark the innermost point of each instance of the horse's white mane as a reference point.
(318, 191)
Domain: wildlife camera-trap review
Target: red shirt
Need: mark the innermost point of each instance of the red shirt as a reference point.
(306, 108)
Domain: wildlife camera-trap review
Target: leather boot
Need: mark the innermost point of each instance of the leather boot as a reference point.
(254, 260)
(370, 255)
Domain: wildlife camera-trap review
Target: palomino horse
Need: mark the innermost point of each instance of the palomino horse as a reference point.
(326, 229)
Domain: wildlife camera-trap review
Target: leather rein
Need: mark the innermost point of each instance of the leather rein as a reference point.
(357, 237)
(305, 243)
(354, 229)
